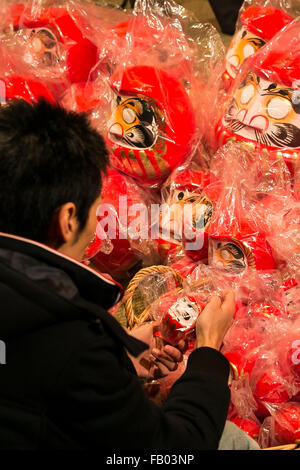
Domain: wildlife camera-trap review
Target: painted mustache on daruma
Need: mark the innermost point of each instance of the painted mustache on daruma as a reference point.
(265, 112)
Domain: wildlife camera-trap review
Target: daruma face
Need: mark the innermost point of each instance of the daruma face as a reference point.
(184, 311)
(227, 255)
(133, 123)
(265, 112)
(45, 48)
(136, 135)
(243, 45)
(50, 40)
(189, 208)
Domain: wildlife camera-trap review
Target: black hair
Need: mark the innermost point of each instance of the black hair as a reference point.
(48, 156)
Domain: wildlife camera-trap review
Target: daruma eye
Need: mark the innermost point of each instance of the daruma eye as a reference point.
(247, 94)
(278, 108)
(128, 115)
(248, 50)
(226, 255)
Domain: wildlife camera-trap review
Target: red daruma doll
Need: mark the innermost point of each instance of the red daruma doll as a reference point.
(236, 246)
(289, 354)
(111, 250)
(181, 191)
(258, 25)
(270, 389)
(152, 128)
(195, 235)
(264, 113)
(156, 43)
(249, 426)
(178, 313)
(50, 39)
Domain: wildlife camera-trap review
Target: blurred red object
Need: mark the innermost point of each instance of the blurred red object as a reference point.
(112, 253)
(22, 88)
(247, 425)
(50, 27)
(287, 424)
(270, 389)
(239, 363)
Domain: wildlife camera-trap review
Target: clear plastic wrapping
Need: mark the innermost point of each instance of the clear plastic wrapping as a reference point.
(44, 41)
(152, 126)
(263, 351)
(241, 407)
(270, 387)
(257, 23)
(13, 87)
(282, 426)
(185, 213)
(122, 237)
(236, 243)
(156, 122)
(280, 209)
(177, 312)
(262, 108)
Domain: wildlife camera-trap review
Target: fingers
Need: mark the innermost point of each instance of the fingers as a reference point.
(228, 304)
(168, 357)
(213, 305)
(164, 358)
(144, 332)
(182, 345)
(173, 352)
(161, 358)
(155, 324)
(215, 301)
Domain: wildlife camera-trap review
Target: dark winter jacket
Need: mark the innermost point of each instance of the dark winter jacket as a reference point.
(67, 382)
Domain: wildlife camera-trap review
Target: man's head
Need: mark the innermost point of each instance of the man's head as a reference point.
(51, 162)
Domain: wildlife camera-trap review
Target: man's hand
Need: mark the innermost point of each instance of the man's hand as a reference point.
(160, 359)
(214, 321)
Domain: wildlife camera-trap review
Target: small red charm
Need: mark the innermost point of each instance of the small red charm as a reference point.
(179, 314)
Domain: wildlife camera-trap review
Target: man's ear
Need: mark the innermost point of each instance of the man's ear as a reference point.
(63, 227)
(67, 223)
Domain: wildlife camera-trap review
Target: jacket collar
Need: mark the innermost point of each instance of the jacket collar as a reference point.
(92, 285)
(95, 290)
